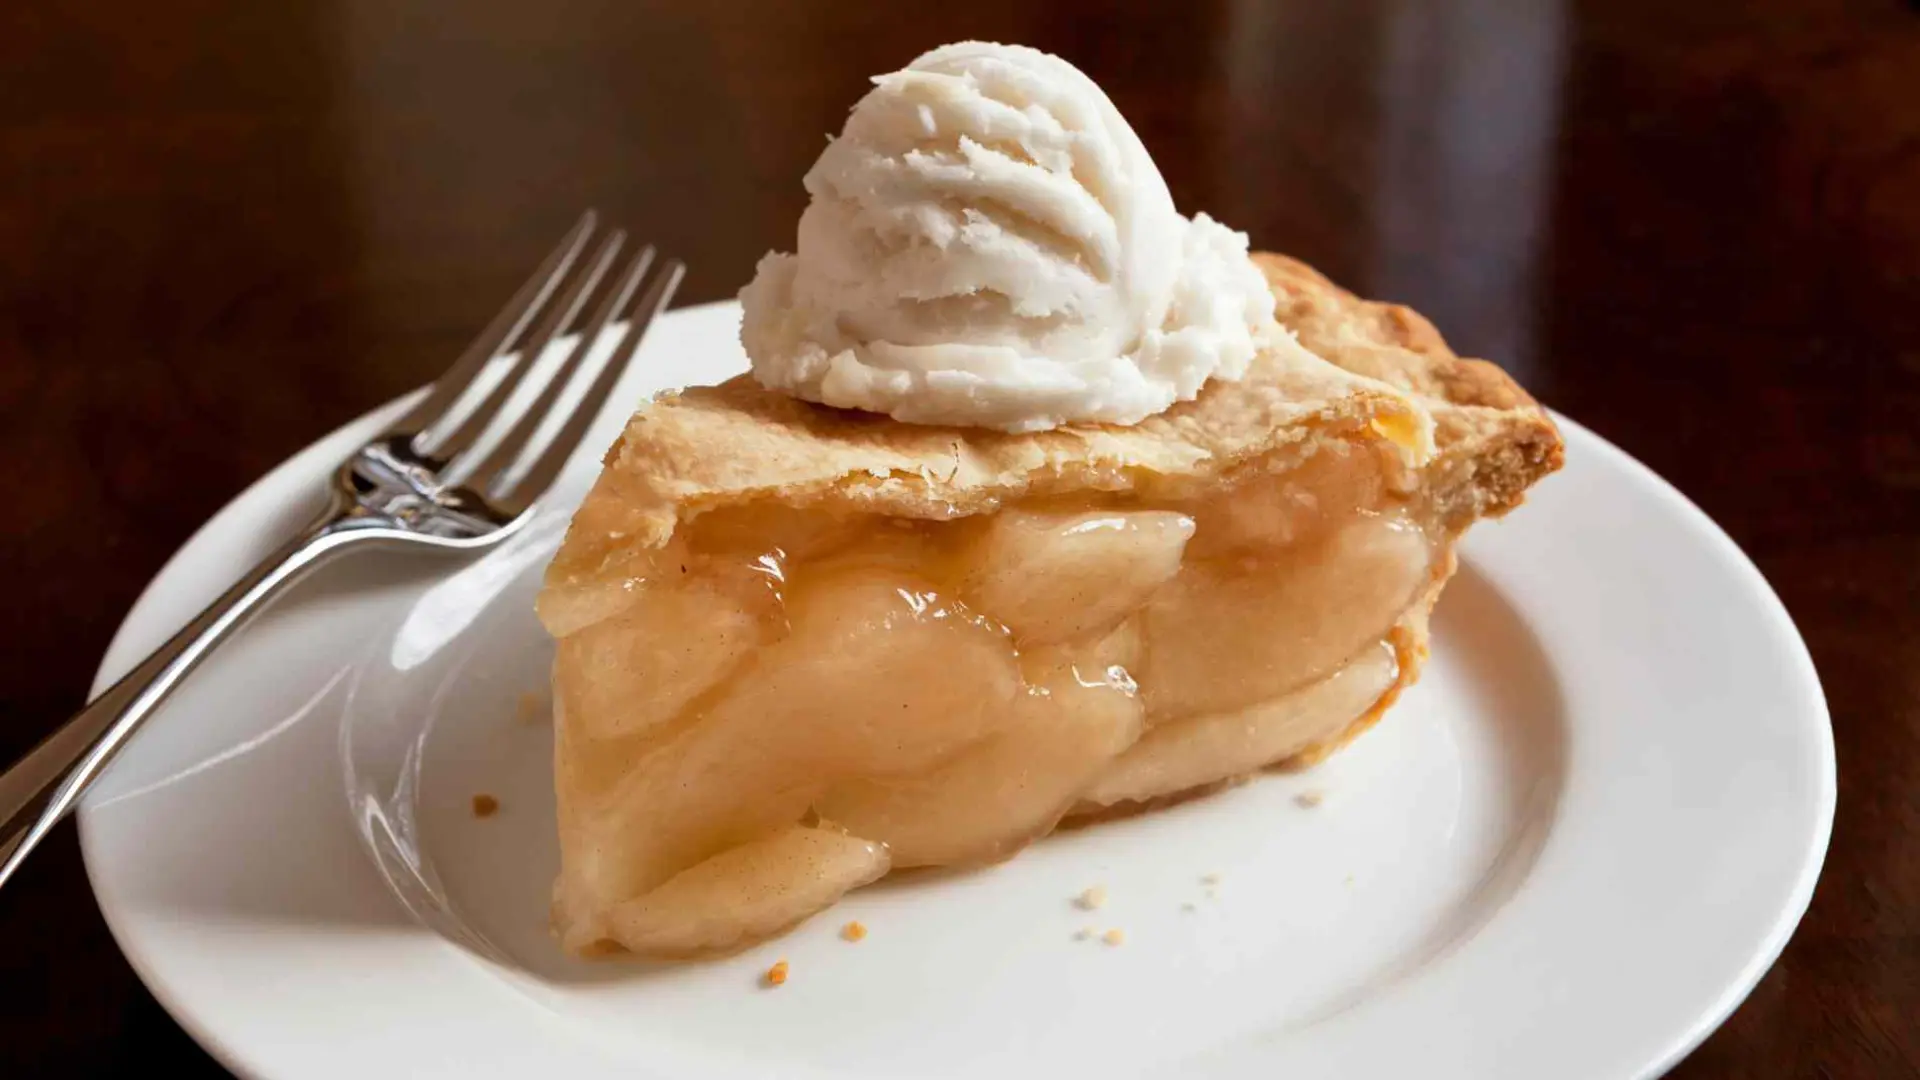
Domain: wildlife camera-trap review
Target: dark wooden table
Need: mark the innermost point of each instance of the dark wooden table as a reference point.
(227, 227)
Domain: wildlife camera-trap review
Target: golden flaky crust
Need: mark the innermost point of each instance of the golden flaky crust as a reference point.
(1494, 440)
(708, 447)
(714, 446)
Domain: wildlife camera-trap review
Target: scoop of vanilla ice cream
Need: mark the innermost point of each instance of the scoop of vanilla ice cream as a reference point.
(989, 244)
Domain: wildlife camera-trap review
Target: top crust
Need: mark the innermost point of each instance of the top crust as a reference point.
(1359, 372)
(708, 447)
(1494, 440)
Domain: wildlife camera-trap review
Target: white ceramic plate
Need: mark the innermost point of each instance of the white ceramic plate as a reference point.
(1569, 852)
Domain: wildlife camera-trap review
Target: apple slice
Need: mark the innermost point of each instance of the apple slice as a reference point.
(1228, 634)
(879, 676)
(1052, 578)
(1077, 712)
(747, 892)
(1185, 754)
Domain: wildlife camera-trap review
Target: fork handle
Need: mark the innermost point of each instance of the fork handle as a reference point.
(46, 784)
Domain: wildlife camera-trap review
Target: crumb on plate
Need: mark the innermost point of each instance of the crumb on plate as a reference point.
(776, 975)
(854, 930)
(1091, 898)
(1113, 937)
(1310, 799)
(485, 806)
(1210, 879)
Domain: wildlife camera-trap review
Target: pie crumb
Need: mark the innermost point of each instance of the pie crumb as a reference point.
(1210, 879)
(485, 806)
(854, 930)
(1113, 937)
(1309, 799)
(776, 975)
(529, 709)
(1091, 898)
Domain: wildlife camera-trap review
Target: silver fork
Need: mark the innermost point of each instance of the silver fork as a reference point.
(447, 477)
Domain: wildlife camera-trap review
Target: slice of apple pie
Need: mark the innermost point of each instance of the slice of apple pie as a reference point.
(799, 647)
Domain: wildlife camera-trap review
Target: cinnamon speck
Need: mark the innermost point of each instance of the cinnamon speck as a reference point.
(776, 975)
(1091, 898)
(854, 930)
(485, 806)
(1307, 800)
(1113, 937)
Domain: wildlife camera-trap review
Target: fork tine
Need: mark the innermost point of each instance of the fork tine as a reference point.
(553, 325)
(501, 333)
(495, 470)
(540, 475)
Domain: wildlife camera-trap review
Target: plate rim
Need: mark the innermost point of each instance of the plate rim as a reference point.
(242, 511)
(1799, 898)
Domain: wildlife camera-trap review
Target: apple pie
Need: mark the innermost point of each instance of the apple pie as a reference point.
(799, 647)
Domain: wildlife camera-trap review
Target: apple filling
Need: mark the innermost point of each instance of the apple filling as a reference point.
(782, 704)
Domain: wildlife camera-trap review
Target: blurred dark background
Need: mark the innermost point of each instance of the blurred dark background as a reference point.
(227, 227)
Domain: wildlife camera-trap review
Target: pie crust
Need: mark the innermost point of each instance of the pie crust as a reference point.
(1364, 435)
